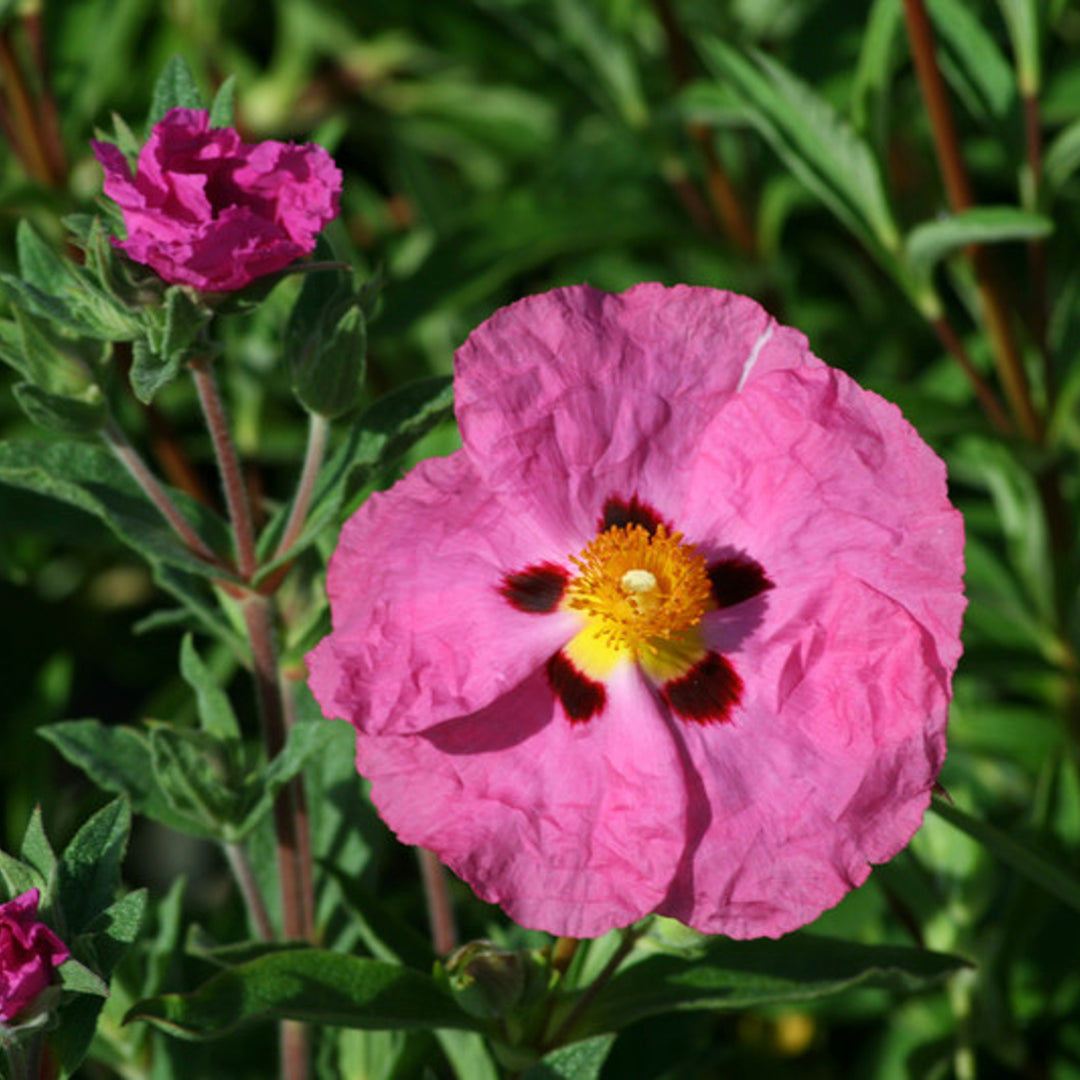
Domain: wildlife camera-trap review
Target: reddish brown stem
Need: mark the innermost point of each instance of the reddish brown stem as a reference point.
(987, 398)
(723, 197)
(440, 909)
(20, 115)
(232, 477)
(958, 188)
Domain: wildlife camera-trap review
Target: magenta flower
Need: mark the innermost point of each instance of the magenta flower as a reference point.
(29, 951)
(673, 632)
(208, 210)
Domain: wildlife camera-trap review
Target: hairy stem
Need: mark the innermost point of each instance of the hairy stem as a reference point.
(318, 434)
(129, 457)
(249, 890)
(232, 477)
(440, 909)
(296, 902)
(959, 191)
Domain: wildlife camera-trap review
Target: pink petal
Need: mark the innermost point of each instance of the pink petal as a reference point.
(575, 394)
(572, 828)
(826, 767)
(422, 630)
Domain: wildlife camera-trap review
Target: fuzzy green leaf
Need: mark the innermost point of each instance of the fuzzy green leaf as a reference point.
(36, 849)
(578, 1061)
(932, 241)
(734, 975)
(117, 758)
(89, 868)
(175, 89)
(223, 106)
(306, 984)
(216, 714)
(90, 478)
(67, 415)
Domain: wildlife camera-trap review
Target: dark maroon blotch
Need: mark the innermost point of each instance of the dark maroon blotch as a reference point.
(536, 590)
(580, 696)
(619, 513)
(735, 580)
(707, 693)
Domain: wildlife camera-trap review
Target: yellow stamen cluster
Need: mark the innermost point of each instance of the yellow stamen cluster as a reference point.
(639, 589)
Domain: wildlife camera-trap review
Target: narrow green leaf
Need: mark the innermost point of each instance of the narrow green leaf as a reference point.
(877, 58)
(307, 984)
(813, 140)
(222, 108)
(175, 89)
(1063, 156)
(89, 868)
(578, 1061)
(90, 478)
(117, 758)
(1022, 857)
(932, 241)
(973, 62)
(216, 714)
(734, 975)
(1023, 19)
(36, 850)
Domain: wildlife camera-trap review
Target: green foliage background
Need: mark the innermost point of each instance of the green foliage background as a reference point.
(495, 148)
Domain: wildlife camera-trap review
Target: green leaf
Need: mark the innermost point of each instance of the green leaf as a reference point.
(382, 433)
(150, 371)
(39, 263)
(813, 140)
(198, 774)
(926, 244)
(79, 979)
(117, 758)
(222, 108)
(308, 984)
(578, 1061)
(1063, 156)
(1023, 19)
(973, 62)
(36, 850)
(326, 342)
(216, 714)
(67, 415)
(20, 878)
(734, 975)
(89, 868)
(90, 478)
(108, 939)
(877, 59)
(175, 89)
(1022, 857)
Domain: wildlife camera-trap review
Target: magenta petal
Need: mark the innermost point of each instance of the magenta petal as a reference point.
(422, 630)
(572, 828)
(29, 951)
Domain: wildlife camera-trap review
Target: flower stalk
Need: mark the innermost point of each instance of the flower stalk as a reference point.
(961, 197)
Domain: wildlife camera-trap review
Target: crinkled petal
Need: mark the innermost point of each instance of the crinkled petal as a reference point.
(29, 951)
(826, 767)
(812, 477)
(422, 632)
(576, 393)
(572, 828)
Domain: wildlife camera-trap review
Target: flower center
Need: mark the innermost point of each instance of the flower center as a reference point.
(639, 588)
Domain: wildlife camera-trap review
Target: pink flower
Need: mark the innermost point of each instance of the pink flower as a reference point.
(673, 632)
(208, 210)
(29, 951)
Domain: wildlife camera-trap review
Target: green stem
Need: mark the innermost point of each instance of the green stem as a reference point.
(318, 434)
(232, 478)
(581, 1006)
(961, 197)
(129, 457)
